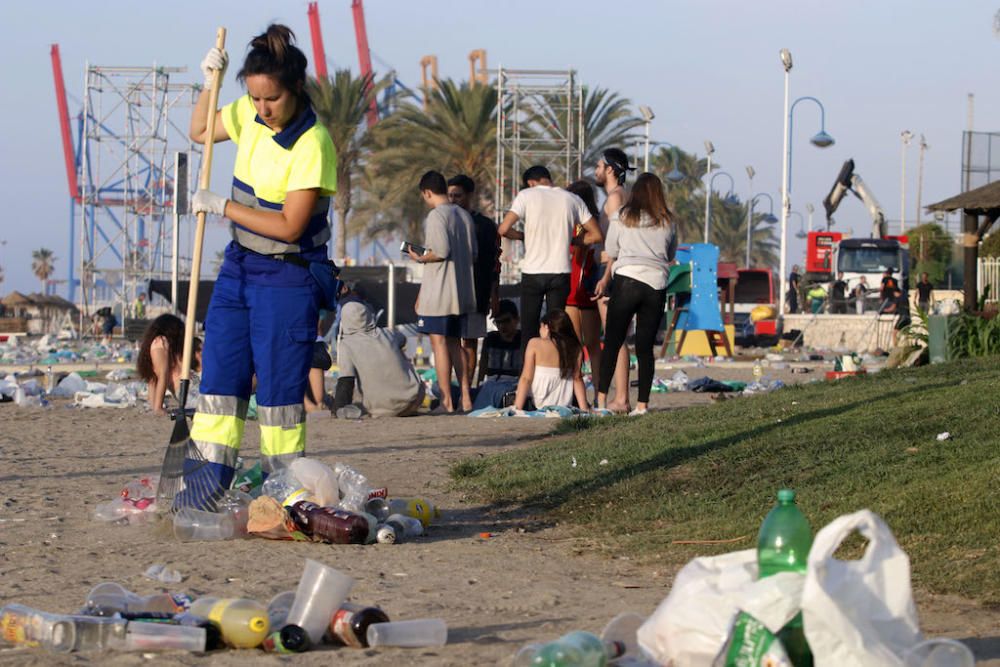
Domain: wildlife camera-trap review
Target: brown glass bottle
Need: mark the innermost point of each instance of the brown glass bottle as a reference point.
(329, 524)
(349, 625)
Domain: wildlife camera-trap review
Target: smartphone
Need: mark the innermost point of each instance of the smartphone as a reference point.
(405, 247)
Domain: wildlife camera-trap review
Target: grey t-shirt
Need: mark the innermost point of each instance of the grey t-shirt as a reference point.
(447, 287)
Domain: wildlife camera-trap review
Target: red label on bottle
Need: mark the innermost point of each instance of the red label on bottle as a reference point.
(340, 628)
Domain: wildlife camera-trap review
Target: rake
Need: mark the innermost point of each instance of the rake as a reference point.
(186, 477)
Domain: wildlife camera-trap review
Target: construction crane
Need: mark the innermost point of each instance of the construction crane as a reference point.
(319, 53)
(482, 76)
(364, 53)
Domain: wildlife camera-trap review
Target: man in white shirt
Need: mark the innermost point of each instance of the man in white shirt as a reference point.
(446, 291)
(553, 219)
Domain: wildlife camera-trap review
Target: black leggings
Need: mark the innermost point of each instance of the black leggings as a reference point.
(630, 298)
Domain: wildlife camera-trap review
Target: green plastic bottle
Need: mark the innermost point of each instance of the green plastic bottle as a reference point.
(576, 649)
(783, 546)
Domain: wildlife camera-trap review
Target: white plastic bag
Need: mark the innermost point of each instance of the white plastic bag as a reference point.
(859, 613)
(691, 625)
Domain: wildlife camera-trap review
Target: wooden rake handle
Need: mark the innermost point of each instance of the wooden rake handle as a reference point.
(204, 182)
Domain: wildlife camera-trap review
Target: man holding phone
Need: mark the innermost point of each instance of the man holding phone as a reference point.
(446, 291)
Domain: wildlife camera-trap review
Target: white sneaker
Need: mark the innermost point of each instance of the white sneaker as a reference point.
(637, 412)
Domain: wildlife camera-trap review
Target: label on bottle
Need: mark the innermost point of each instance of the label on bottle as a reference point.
(751, 644)
(295, 496)
(18, 629)
(340, 626)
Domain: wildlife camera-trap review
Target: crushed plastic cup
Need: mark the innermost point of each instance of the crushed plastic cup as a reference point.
(192, 525)
(321, 591)
(409, 634)
(939, 653)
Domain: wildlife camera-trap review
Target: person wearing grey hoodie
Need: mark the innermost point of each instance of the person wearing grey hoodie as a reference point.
(373, 357)
(641, 246)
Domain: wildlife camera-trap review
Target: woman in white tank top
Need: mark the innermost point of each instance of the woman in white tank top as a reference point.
(551, 372)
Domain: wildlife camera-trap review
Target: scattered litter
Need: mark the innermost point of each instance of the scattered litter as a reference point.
(163, 574)
(603, 462)
(136, 503)
(941, 437)
(70, 385)
(574, 463)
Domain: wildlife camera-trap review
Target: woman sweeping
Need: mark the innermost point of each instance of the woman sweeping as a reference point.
(262, 316)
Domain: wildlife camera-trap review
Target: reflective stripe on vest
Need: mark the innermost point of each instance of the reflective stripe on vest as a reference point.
(317, 231)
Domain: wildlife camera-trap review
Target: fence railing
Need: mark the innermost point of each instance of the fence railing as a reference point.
(988, 275)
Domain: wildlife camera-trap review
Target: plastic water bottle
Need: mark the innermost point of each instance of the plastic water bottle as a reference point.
(243, 622)
(405, 526)
(758, 370)
(285, 487)
(354, 488)
(783, 546)
(576, 649)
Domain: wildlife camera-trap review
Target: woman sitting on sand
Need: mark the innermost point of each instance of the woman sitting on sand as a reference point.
(551, 373)
(159, 362)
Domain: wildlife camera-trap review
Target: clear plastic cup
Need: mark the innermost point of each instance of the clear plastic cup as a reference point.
(939, 653)
(191, 524)
(412, 634)
(278, 608)
(163, 637)
(321, 591)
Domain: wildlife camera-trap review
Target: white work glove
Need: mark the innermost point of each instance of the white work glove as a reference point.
(215, 59)
(206, 201)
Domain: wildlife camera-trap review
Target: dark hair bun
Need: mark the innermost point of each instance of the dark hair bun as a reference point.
(274, 53)
(275, 41)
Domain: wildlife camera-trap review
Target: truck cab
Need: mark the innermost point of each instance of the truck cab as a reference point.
(857, 257)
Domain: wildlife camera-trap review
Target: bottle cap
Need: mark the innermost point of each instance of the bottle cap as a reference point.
(294, 638)
(786, 496)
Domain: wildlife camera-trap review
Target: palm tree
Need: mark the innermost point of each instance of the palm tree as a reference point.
(341, 103)
(729, 233)
(42, 265)
(686, 197)
(608, 122)
(455, 133)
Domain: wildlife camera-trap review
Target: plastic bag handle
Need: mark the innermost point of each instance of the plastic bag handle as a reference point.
(866, 522)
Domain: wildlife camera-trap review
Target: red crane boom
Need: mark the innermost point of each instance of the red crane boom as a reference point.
(364, 55)
(67, 139)
(319, 53)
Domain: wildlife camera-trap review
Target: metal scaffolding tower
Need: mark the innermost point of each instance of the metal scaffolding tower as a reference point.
(539, 121)
(133, 154)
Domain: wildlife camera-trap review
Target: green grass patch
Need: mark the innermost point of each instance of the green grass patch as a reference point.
(711, 472)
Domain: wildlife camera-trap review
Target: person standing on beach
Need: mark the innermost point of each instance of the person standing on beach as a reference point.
(447, 295)
(265, 305)
(925, 292)
(641, 246)
(551, 217)
(611, 173)
(485, 271)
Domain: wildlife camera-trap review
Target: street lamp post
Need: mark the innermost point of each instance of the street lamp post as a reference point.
(675, 175)
(809, 209)
(769, 218)
(709, 150)
(822, 140)
(647, 116)
(905, 137)
(708, 197)
(920, 175)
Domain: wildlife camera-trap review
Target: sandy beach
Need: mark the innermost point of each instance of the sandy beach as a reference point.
(529, 581)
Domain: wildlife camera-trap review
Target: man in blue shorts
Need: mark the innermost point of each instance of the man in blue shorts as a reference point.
(447, 292)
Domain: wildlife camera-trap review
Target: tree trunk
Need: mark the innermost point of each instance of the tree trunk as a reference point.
(342, 206)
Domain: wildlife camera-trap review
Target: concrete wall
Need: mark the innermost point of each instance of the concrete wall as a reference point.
(855, 333)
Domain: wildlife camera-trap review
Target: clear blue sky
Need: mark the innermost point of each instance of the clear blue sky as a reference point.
(709, 69)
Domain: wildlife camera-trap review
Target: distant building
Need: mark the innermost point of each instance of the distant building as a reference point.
(36, 313)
